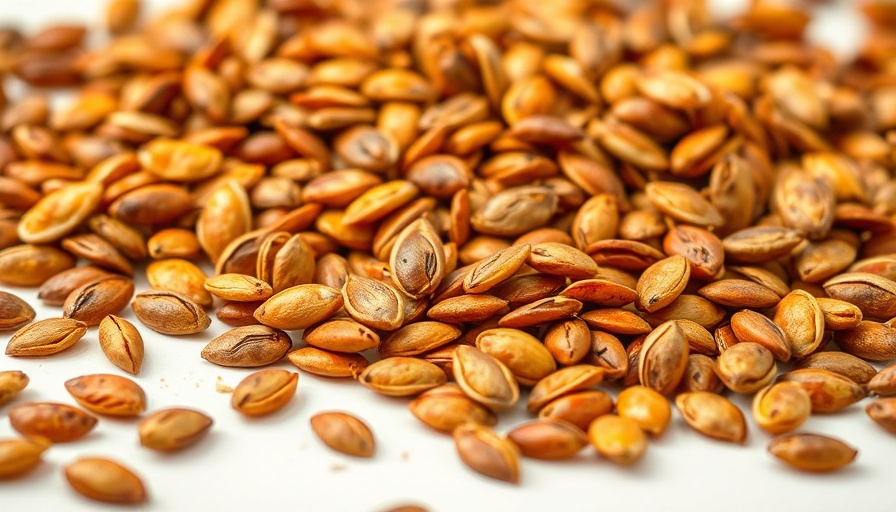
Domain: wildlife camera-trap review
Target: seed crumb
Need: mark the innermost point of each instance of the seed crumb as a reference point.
(337, 467)
(220, 387)
(405, 455)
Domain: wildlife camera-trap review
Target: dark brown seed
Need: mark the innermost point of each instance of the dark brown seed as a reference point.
(93, 302)
(248, 347)
(14, 312)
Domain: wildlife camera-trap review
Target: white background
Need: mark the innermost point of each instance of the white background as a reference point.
(276, 463)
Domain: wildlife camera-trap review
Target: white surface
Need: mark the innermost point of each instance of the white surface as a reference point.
(276, 463)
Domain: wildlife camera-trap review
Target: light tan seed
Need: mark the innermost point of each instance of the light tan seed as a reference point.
(812, 452)
(93, 302)
(121, 343)
(839, 314)
(238, 287)
(227, 215)
(14, 312)
(760, 244)
(173, 429)
(617, 438)
(712, 415)
(328, 364)
(46, 337)
(781, 407)
(447, 407)
(59, 213)
(746, 367)
(683, 204)
(179, 161)
(484, 378)
(828, 391)
(515, 211)
(105, 480)
(402, 376)
(342, 336)
(555, 258)
(248, 347)
(495, 269)
(170, 313)
(108, 394)
(883, 412)
(526, 357)
(548, 439)
(800, 318)
(487, 453)
(299, 307)
(344, 433)
(19, 456)
(373, 303)
(646, 407)
(264, 392)
(12, 382)
(562, 382)
(179, 276)
(59, 423)
(663, 358)
(662, 283)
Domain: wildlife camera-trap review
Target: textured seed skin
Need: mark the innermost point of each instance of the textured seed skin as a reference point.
(299, 307)
(264, 392)
(248, 347)
(14, 312)
(59, 423)
(484, 378)
(19, 456)
(46, 337)
(328, 364)
(663, 358)
(93, 302)
(12, 382)
(105, 480)
(108, 394)
(812, 452)
(173, 429)
(485, 452)
(170, 313)
(828, 391)
(344, 433)
(402, 376)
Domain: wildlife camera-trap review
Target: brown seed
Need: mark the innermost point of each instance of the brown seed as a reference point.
(56, 289)
(226, 216)
(781, 407)
(19, 456)
(580, 408)
(105, 480)
(649, 409)
(173, 429)
(128, 240)
(662, 283)
(417, 338)
(238, 287)
(760, 244)
(299, 307)
(562, 382)
(712, 415)
(739, 293)
(373, 303)
(812, 452)
(93, 302)
(487, 453)
(108, 394)
(607, 352)
(179, 276)
(14, 312)
(121, 343)
(328, 364)
(562, 260)
(688, 307)
(838, 314)
(828, 391)
(884, 383)
(568, 341)
(663, 358)
(485, 378)
(11, 384)
(46, 337)
(150, 205)
(417, 259)
(32, 265)
(248, 347)
(752, 327)
(548, 439)
(264, 392)
(169, 313)
(344, 433)
(800, 318)
(869, 340)
(746, 367)
(495, 269)
(447, 407)
(883, 412)
(541, 311)
(60, 423)
(873, 294)
(849, 366)
(467, 308)
(402, 376)
(515, 211)
(98, 251)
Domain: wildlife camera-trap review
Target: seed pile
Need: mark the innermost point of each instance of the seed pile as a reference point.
(527, 198)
